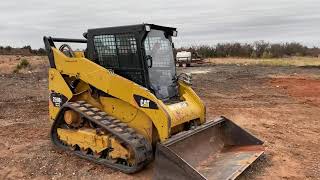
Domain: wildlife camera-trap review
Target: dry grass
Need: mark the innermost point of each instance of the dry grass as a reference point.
(22, 64)
(293, 61)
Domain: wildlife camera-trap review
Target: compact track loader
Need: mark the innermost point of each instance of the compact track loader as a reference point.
(120, 103)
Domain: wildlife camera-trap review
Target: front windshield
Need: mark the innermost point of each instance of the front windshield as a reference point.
(162, 73)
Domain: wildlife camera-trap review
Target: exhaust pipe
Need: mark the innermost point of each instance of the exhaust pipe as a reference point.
(218, 149)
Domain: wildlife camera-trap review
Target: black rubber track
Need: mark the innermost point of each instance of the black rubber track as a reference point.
(139, 144)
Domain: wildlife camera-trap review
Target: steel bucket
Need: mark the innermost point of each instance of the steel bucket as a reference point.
(219, 149)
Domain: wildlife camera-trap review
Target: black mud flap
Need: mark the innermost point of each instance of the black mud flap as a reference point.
(218, 149)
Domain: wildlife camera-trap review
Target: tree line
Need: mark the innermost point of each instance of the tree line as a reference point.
(26, 51)
(259, 49)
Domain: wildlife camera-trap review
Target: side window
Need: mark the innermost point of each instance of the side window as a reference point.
(126, 44)
(106, 49)
(117, 51)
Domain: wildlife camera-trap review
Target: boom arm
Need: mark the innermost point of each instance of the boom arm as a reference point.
(49, 43)
(116, 86)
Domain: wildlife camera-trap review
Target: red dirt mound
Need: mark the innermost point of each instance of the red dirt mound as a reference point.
(305, 89)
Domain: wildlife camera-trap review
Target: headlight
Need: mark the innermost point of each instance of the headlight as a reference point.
(148, 28)
(175, 33)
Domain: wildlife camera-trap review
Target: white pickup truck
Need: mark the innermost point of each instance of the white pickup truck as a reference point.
(183, 58)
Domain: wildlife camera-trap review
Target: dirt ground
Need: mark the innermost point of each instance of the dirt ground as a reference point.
(280, 105)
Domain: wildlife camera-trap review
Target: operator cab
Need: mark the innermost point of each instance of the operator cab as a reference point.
(141, 53)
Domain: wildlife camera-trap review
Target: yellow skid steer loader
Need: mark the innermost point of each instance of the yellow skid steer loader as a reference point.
(120, 103)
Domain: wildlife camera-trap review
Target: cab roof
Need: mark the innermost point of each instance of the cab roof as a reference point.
(129, 28)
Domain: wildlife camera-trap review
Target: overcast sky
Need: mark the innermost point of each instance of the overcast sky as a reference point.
(25, 22)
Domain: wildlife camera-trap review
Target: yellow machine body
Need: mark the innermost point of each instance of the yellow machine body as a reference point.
(122, 104)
